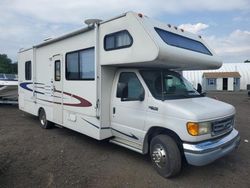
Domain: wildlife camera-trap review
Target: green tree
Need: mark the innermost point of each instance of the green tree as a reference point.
(6, 65)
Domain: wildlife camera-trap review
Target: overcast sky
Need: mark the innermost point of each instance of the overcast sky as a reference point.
(224, 24)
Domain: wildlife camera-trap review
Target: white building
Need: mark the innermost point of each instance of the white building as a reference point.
(243, 69)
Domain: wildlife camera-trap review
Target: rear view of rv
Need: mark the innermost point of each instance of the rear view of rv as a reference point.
(119, 80)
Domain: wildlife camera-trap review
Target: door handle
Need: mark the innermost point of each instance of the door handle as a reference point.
(113, 110)
(153, 108)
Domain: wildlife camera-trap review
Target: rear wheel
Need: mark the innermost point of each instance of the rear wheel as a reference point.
(165, 156)
(44, 123)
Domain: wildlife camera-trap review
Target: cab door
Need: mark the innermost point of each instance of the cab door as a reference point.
(57, 89)
(128, 107)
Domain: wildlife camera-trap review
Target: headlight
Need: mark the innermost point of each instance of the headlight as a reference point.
(196, 129)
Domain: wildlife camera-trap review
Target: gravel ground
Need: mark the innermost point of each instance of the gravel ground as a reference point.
(33, 157)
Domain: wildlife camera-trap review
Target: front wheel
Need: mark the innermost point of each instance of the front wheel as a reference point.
(44, 123)
(165, 155)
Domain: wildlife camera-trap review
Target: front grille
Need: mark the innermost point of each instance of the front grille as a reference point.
(222, 125)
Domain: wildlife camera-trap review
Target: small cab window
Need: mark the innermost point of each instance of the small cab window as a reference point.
(129, 87)
(57, 70)
(182, 42)
(80, 65)
(118, 40)
(28, 70)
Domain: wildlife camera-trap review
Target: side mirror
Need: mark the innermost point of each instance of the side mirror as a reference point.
(199, 88)
(122, 90)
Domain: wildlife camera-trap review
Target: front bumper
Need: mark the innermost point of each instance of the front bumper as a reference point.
(206, 152)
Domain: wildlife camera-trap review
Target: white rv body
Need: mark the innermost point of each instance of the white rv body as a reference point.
(91, 106)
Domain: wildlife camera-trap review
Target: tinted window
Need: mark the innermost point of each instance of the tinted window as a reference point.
(28, 70)
(57, 70)
(87, 64)
(80, 65)
(118, 40)
(182, 42)
(135, 88)
(72, 72)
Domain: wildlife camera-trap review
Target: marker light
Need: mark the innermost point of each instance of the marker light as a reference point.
(140, 15)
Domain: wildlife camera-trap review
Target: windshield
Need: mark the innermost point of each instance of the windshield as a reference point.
(164, 84)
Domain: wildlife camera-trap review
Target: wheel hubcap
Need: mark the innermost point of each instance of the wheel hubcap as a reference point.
(43, 119)
(159, 156)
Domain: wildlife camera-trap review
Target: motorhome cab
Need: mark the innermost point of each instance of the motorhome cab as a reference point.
(120, 79)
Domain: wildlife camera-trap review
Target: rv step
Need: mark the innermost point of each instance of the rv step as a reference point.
(127, 144)
(57, 125)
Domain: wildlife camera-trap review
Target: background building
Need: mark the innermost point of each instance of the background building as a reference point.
(240, 77)
(229, 81)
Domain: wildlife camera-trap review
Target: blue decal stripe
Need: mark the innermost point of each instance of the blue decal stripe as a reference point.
(24, 85)
(105, 127)
(131, 136)
(91, 123)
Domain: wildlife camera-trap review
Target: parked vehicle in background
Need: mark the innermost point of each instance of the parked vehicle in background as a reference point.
(118, 79)
(8, 88)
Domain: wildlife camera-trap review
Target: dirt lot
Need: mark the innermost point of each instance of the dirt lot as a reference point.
(33, 157)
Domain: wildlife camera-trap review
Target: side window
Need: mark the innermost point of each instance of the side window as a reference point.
(80, 65)
(133, 85)
(28, 70)
(180, 41)
(118, 40)
(57, 70)
(87, 64)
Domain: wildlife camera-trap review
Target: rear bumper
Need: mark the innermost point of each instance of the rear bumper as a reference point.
(206, 152)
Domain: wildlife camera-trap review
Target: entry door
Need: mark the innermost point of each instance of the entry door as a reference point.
(225, 83)
(57, 89)
(128, 115)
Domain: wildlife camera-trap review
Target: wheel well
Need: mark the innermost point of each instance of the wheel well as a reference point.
(154, 131)
(39, 110)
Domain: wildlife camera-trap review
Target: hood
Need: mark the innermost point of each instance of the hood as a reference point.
(199, 109)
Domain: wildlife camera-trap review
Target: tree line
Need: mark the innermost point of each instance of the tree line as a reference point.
(6, 65)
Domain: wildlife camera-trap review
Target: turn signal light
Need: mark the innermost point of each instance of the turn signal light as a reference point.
(193, 128)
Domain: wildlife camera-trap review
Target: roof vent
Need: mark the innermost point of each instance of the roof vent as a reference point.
(91, 22)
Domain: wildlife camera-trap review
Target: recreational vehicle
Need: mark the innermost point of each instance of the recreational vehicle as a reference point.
(120, 80)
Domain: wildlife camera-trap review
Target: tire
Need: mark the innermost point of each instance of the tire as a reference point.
(165, 156)
(44, 123)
